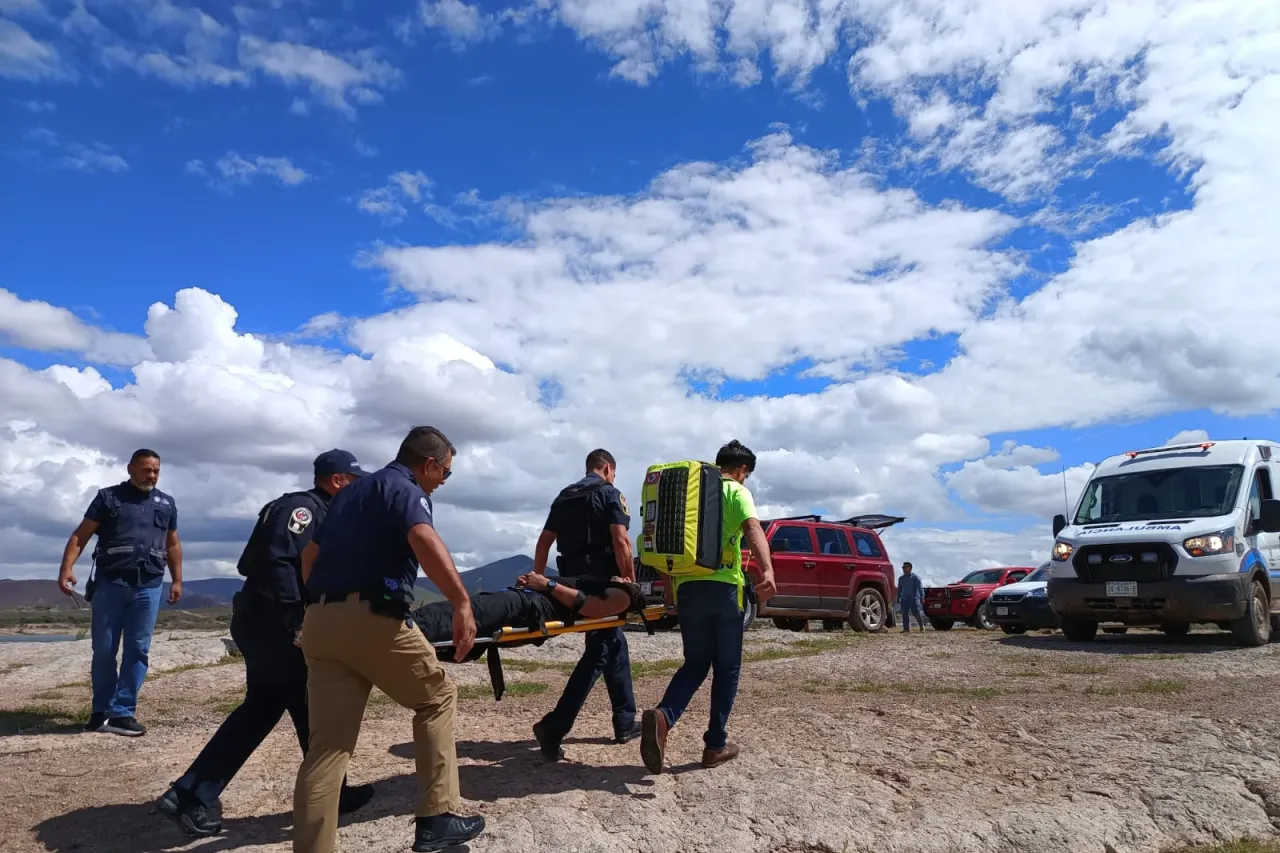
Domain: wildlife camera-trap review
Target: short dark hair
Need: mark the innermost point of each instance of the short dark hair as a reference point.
(423, 443)
(735, 454)
(599, 458)
(143, 453)
(906, 564)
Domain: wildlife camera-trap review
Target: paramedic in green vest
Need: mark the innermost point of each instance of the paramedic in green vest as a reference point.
(588, 523)
(710, 611)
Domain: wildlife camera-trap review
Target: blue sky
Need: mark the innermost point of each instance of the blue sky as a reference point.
(106, 211)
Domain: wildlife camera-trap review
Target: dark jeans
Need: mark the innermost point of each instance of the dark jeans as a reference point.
(275, 683)
(605, 654)
(121, 615)
(711, 629)
(907, 610)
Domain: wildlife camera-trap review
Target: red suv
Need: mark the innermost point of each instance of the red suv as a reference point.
(836, 571)
(966, 599)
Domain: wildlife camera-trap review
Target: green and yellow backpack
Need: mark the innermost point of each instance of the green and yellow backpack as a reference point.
(682, 519)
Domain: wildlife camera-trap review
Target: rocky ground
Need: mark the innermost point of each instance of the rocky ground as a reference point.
(961, 741)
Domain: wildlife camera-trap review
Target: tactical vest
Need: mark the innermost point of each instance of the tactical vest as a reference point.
(132, 539)
(583, 555)
(255, 551)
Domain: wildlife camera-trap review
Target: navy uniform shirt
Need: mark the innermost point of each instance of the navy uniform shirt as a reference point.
(364, 545)
(272, 558)
(585, 536)
(133, 534)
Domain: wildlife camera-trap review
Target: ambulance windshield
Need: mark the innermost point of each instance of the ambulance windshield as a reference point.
(1166, 493)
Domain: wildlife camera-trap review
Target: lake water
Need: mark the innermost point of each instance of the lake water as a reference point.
(36, 638)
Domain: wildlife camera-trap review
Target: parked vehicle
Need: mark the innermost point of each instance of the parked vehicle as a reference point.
(966, 599)
(836, 571)
(1023, 606)
(1171, 536)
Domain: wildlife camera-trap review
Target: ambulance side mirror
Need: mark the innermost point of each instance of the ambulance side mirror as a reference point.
(1059, 522)
(1269, 517)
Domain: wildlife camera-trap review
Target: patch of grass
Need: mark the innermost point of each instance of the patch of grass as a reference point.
(1084, 669)
(1244, 845)
(819, 686)
(13, 667)
(187, 667)
(651, 668)
(941, 655)
(1158, 686)
(34, 718)
(519, 665)
(66, 684)
(54, 694)
(1100, 690)
(1029, 673)
(378, 699)
(800, 648)
(224, 705)
(1154, 656)
(516, 688)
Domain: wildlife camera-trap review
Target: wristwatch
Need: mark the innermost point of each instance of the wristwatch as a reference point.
(552, 583)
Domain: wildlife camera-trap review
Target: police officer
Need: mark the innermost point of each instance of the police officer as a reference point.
(137, 529)
(265, 622)
(360, 569)
(589, 521)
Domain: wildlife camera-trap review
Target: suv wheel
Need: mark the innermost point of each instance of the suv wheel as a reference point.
(868, 610)
(1176, 629)
(748, 614)
(1079, 630)
(1254, 627)
(981, 619)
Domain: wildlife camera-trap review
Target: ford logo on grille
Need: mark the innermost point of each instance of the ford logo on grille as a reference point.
(1120, 558)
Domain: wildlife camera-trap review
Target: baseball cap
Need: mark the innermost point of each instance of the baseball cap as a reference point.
(337, 462)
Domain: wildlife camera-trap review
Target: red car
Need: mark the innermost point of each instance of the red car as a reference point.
(966, 599)
(836, 571)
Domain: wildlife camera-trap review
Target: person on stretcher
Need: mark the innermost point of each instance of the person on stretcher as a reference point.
(535, 600)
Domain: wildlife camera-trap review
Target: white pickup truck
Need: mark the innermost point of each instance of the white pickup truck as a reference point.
(1171, 536)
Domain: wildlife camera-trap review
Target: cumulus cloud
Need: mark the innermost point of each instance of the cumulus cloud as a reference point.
(23, 57)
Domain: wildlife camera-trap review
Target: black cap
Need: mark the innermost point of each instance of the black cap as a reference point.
(337, 462)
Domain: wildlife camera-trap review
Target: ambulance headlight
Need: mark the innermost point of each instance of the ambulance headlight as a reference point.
(1062, 551)
(1222, 542)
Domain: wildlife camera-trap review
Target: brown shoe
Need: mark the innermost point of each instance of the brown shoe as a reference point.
(653, 739)
(716, 757)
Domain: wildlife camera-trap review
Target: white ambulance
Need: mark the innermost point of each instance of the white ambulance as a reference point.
(1171, 536)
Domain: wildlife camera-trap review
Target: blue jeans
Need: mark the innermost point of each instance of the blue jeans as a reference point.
(128, 613)
(711, 630)
(605, 654)
(907, 610)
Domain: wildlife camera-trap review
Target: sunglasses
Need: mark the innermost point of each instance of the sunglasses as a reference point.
(448, 472)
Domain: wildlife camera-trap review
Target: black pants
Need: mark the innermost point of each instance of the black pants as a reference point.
(605, 654)
(275, 683)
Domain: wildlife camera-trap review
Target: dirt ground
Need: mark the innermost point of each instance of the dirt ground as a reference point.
(960, 741)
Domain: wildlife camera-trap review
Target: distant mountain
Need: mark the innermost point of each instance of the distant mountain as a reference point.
(42, 594)
(490, 577)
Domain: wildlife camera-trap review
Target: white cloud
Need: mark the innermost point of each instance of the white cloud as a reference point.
(464, 23)
(34, 325)
(333, 80)
(389, 201)
(1188, 436)
(65, 154)
(39, 106)
(23, 57)
(232, 168)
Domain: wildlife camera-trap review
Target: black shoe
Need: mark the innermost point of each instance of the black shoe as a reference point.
(628, 735)
(198, 820)
(96, 723)
(354, 798)
(127, 726)
(548, 745)
(168, 802)
(444, 831)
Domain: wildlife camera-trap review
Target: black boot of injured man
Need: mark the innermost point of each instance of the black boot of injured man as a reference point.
(444, 831)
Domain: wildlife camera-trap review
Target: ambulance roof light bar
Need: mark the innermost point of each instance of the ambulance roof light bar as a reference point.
(1203, 445)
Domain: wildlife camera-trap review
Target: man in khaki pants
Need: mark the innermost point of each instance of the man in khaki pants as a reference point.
(360, 569)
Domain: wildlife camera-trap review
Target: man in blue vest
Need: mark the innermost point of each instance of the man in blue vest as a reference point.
(137, 529)
(910, 594)
(588, 523)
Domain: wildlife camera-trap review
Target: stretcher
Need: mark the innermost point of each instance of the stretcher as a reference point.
(509, 637)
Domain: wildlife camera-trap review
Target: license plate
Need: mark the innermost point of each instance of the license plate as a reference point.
(1122, 589)
(935, 606)
(1002, 611)
(646, 589)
